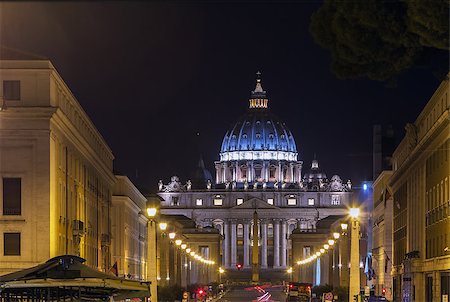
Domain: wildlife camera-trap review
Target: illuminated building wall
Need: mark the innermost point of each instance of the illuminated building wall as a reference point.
(56, 172)
(421, 210)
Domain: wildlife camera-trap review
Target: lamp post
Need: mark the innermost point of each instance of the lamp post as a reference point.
(221, 271)
(355, 286)
(151, 252)
(289, 271)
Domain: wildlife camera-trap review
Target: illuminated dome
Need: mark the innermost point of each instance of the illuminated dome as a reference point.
(258, 150)
(258, 134)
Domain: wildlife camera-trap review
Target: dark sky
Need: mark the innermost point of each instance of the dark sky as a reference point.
(153, 75)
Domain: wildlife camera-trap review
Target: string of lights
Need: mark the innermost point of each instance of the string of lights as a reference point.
(324, 249)
(184, 247)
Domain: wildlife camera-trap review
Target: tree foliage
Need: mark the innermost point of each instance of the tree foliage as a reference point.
(379, 39)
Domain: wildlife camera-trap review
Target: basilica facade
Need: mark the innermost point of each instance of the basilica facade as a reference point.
(258, 170)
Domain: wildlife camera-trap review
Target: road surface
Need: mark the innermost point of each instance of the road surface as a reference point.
(264, 293)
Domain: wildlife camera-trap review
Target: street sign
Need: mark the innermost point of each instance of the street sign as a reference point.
(328, 297)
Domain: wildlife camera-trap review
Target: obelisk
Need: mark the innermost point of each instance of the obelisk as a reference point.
(255, 250)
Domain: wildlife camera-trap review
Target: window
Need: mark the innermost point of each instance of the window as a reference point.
(12, 196)
(270, 201)
(175, 201)
(311, 201)
(239, 201)
(199, 202)
(11, 90)
(335, 199)
(292, 201)
(11, 244)
(218, 201)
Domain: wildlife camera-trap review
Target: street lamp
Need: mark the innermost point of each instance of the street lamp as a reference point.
(355, 285)
(151, 212)
(344, 226)
(172, 235)
(152, 266)
(330, 242)
(183, 246)
(163, 226)
(178, 242)
(336, 235)
(221, 271)
(289, 271)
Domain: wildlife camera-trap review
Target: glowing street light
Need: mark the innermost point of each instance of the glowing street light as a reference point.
(326, 246)
(336, 235)
(163, 226)
(151, 212)
(354, 212)
(178, 242)
(344, 226)
(221, 271)
(172, 235)
(331, 242)
(183, 246)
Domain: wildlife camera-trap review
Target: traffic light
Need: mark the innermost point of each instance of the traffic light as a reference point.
(239, 266)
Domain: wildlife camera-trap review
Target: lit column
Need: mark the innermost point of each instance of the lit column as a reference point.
(283, 244)
(226, 241)
(264, 244)
(291, 170)
(280, 173)
(354, 255)
(276, 243)
(233, 243)
(343, 257)
(246, 244)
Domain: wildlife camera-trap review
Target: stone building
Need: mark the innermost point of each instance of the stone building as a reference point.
(420, 186)
(129, 230)
(55, 167)
(258, 170)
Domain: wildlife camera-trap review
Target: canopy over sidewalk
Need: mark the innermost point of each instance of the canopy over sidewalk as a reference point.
(66, 278)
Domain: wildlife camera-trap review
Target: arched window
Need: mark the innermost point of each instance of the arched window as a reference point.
(240, 230)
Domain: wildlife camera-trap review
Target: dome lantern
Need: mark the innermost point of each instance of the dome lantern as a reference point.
(258, 97)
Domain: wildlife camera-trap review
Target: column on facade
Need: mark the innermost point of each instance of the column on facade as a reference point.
(233, 171)
(246, 244)
(238, 171)
(264, 244)
(344, 259)
(336, 265)
(276, 243)
(291, 172)
(266, 170)
(233, 243)
(218, 172)
(226, 242)
(280, 172)
(283, 244)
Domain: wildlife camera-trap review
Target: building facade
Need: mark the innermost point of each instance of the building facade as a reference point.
(129, 230)
(258, 171)
(56, 171)
(382, 235)
(420, 186)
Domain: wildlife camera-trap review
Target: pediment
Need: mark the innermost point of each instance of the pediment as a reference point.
(255, 203)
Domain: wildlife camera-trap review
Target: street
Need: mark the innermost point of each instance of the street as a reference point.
(266, 293)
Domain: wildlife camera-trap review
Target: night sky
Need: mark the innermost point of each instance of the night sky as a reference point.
(163, 81)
